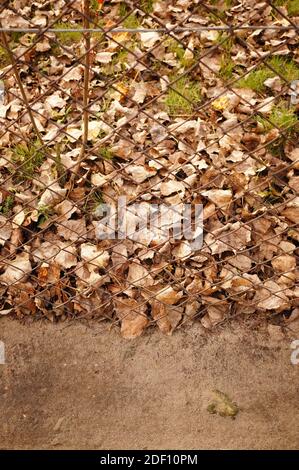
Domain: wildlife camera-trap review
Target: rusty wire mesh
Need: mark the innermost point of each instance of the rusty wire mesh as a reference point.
(164, 103)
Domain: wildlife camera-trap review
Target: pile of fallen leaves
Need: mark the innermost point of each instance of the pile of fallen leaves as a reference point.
(196, 116)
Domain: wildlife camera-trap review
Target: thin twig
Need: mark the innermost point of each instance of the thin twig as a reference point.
(22, 89)
(86, 76)
(85, 8)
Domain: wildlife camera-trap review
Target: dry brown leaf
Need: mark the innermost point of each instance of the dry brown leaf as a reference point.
(65, 209)
(172, 186)
(52, 195)
(139, 276)
(48, 273)
(132, 317)
(291, 213)
(183, 250)
(221, 197)
(55, 101)
(140, 173)
(168, 295)
(271, 297)
(97, 179)
(59, 252)
(104, 57)
(167, 317)
(94, 256)
(232, 237)
(149, 39)
(140, 92)
(216, 309)
(17, 270)
(72, 230)
(284, 263)
(241, 262)
(5, 230)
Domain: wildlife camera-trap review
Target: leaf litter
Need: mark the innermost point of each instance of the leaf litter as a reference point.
(168, 124)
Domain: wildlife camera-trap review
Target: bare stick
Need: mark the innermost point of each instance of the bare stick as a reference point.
(22, 89)
(86, 77)
(86, 11)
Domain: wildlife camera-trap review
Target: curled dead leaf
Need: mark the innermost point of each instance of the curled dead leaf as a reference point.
(132, 317)
(17, 269)
(167, 317)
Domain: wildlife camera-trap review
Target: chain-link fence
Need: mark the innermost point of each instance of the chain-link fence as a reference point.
(167, 106)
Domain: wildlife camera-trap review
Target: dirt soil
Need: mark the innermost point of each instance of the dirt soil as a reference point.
(76, 386)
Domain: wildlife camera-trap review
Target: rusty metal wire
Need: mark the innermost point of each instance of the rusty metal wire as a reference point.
(83, 288)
